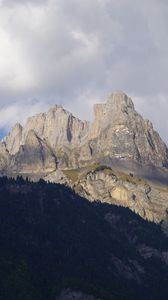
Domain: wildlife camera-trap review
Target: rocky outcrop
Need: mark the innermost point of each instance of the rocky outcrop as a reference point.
(143, 197)
(101, 183)
(13, 140)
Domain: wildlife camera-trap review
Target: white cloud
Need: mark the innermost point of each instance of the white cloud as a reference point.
(73, 52)
(14, 113)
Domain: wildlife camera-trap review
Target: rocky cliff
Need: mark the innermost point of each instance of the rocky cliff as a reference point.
(118, 131)
(57, 146)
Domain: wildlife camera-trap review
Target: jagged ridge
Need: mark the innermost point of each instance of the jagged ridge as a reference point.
(118, 131)
(53, 142)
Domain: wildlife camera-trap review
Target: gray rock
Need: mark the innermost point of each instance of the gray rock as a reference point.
(118, 131)
(150, 201)
(13, 140)
(35, 156)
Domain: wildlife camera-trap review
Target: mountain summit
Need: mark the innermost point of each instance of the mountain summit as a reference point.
(120, 100)
(120, 132)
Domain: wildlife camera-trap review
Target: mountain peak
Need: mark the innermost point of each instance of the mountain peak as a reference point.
(17, 126)
(55, 108)
(13, 139)
(119, 100)
(118, 110)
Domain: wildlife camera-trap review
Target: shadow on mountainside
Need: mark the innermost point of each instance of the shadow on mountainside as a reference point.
(52, 239)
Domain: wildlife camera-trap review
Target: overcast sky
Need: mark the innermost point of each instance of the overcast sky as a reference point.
(74, 52)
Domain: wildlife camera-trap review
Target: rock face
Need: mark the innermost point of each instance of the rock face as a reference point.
(119, 131)
(13, 140)
(58, 127)
(45, 137)
(35, 156)
(105, 185)
(53, 142)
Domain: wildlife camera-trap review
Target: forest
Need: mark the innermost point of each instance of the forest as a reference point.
(51, 239)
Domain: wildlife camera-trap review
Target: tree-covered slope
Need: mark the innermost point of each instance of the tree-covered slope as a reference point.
(51, 239)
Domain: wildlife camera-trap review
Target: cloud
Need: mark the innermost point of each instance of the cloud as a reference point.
(23, 2)
(74, 52)
(14, 113)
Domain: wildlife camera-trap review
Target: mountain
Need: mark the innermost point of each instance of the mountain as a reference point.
(117, 131)
(56, 245)
(118, 158)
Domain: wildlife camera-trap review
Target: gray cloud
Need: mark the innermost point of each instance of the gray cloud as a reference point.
(22, 2)
(75, 52)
